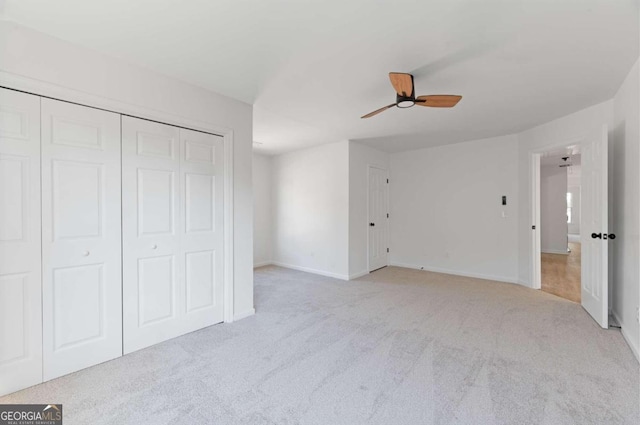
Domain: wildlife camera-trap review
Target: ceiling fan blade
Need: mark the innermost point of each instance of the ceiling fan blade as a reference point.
(402, 83)
(438, 100)
(377, 111)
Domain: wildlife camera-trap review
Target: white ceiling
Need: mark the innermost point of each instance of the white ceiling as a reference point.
(312, 68)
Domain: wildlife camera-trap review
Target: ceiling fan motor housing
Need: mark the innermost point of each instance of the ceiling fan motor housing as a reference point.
(405, 101)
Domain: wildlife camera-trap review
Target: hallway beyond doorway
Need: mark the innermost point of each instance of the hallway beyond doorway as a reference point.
(561, 273)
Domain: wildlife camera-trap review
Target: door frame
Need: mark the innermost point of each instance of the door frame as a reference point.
(64, 94)
(386, 171)
(534, 206)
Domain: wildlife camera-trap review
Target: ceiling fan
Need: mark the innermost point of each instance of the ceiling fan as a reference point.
(406, 97)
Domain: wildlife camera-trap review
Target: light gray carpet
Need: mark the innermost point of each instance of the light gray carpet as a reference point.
(396, 347)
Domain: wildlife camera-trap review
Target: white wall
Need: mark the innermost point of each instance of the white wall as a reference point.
(560, 132)
(360, 157)
(624, 207)
(446, 212)
(311, 209)
(262, 225)
(553, 209)
(74, 72)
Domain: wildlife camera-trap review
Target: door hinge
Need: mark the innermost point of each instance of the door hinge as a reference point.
(387, 215)
(387, 249)
(533, 227)
(387, 180)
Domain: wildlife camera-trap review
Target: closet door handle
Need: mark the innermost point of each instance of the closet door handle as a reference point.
(596, 235)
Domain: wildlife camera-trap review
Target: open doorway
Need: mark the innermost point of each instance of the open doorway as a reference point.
(560, 236)
(593, 211)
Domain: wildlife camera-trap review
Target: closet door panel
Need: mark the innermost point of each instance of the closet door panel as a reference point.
(82, 298)
(20, 242)
(202, 236)
(172, 231)
(151, 239)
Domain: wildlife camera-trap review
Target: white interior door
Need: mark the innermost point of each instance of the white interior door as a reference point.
(594, 221)
(20, 242)
(378, 223)
(172, 231)
(81, 251)
(201, 243)
(150, 232)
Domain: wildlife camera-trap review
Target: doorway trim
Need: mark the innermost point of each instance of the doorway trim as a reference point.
(536, 249)
(534, 208)
(53, 91)
(366, 224)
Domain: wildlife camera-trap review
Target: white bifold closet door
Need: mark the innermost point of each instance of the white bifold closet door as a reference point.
(81, 245)
(20, 281)
(172, 231)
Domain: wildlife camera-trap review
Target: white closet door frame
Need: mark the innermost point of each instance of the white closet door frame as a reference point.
(20, 242)
(46, 89)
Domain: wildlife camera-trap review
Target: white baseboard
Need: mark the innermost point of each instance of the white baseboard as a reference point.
(555, 251)
(524, 283)
(357, 275)
(635, 350)
(310, 270)
(262, 264)
(244, 314)
(458, 273)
